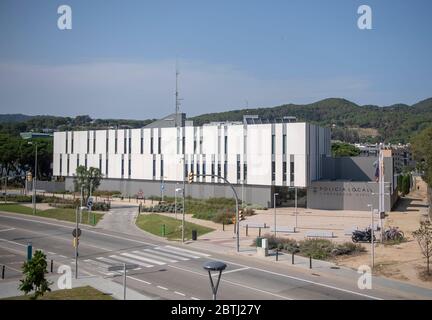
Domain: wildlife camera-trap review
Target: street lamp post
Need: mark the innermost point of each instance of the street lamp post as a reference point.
(274, 205)
(175, 201)
(35, 177)
(372, 236)
(218, 267)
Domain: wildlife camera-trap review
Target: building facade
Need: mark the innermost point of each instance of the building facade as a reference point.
(253, 156)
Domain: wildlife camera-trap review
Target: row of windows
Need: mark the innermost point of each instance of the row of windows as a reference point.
(284, 169)
(273, 144)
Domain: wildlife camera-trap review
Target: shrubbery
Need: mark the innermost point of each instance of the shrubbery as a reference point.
(316, 248)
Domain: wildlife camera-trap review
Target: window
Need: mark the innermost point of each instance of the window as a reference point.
(238, 170)
(94, 141)
(106, 144)
(122, 167)
(67, 142)
(292, 171)
(213, 169)
(192, 166)
(151, 145)
(284, 173)
(106, 167)
(129, 167)
(225, 169)
(284, 144)
(195, 145)
(72, 143)
(219, 169)
(185, 169)
(100, 163)
(85, 161)
(197, 168)
(273, 171)
(67, 165)
(154, 168)
(61, 164)
(88, 142)
(115, 143)
(226, 145)
(142, 145)
(159, 145)
(130, 145)
(162, 169)
(184, 144)
(77, 160)
(125, 145)
(201, 145)
(244, 172)
(204, 168)
(273, 144)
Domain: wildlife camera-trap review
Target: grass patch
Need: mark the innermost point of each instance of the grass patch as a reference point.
(80, 293)
(153, 223)
(55, 213)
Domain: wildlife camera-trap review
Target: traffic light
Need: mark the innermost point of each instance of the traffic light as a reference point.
(191, 177)
(241, 217)
(29, 176)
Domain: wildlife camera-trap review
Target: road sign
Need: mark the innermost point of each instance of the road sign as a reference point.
(74, 233)
(162, 187)
(122, 267)
(90, 202)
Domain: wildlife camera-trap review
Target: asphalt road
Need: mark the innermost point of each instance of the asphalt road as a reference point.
(169, 270)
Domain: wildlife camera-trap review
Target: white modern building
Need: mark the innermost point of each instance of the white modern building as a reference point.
(255, 155)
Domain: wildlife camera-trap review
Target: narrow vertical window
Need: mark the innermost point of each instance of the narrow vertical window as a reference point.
(61, 164)
(226, 145)
(204, 168)
(162, 169)
(284, 144)
(88, 141)
(106, 166)
(72, 143)
(284, 171)
(238, 170)
(125, 144)
(154, 168)
(106, 143)
(77, 160)
(159, 145)
(142, 145)
(292, 171)
(67, 165)
(151, 145)
(244, 171)
(100, 163)
(122, 167)
(66, 142)
(273, 171)
(115, 143)
(130, 144)
(129, 168)
(273, 144)
(94, 141)
(85, 160)
(225, 169)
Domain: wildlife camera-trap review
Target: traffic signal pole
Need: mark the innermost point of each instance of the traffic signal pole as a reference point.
(237, 224)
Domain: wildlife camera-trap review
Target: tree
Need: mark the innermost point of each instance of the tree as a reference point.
(340, 149)
(406, 184)
(89, 180)
(424, 238)
(422, 149)
(35, 271)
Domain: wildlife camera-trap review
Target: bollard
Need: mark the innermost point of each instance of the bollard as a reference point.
(163, 230)
(129, 198)
(310, 262)
(292, 258)
(52, 265)
(259, 232)
(94, 218)
(277, 254)
(29, 251)
(3, 271)
(223, 224)
(247, 229)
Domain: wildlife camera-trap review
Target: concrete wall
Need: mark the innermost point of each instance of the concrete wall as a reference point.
(349, 168)
(48, 186)
(343, 195)
(260, 195)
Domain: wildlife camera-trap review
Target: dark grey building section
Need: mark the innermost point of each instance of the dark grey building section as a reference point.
(349, 183)
(258, 195)
(169, 121)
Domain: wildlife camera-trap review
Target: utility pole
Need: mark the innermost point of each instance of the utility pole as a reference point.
(274, 205)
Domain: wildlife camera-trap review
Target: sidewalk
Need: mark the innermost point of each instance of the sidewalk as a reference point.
(10, 288)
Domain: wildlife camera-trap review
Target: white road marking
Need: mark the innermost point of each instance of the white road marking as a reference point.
(124, 259)
(188, 251)
(163, 288)
(20, 244)
(177, 253)
(52, 253)
(10, 229)
(166, 254)
(62, 256)
(193, 298)
(231, 271)
(158, 257)
(179, 293)
(134, 256)
(234, 283)
(136, 279)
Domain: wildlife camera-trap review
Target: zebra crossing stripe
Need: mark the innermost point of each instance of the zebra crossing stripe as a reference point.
(123, 259)
(189, 251)
(177, 253)
(150, 255)
(134, 256)
(113, 262)
(167, 254)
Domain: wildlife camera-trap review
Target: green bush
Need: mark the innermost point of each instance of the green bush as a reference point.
(223, 217)
(23, 198)
(316, 248)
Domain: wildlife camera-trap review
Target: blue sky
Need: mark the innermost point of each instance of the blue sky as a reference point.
(118, 61)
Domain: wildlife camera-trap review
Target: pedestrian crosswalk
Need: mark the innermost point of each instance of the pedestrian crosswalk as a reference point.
(145, 258)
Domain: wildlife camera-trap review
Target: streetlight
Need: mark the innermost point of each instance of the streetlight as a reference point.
(162, 187)
(34, 178)
(218, 267)
(295, 204)
(76, 236)
(274, 204)
(175, 201)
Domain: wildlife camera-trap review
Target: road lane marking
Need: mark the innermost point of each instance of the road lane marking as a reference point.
(158, 257)
(310, 281)
(10, 229)
(193, 298)
(188, 251)
(167, 254)
(52, 253)
(231, 271)
(178, 253)
(179, 293)
(124, 259)
(134, 256)
(136, 279)
(163, 288)
(20, 244)
(234, 283)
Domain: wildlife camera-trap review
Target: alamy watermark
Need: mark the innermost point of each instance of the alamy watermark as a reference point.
(64, 22)
(365, 280)
(364, 22)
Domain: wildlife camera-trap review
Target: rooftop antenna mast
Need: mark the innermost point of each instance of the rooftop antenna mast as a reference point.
(177, 100)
